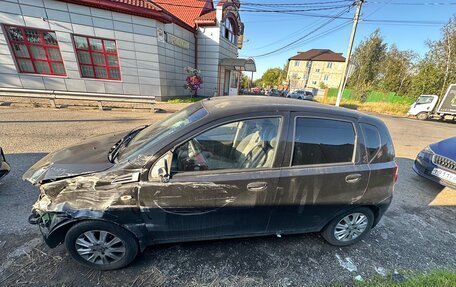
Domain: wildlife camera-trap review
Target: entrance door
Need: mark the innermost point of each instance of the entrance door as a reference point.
(226, 83)
(234, 83)
(222, 183)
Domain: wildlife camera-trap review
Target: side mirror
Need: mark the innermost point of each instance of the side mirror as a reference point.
(161, 169)
(164, 176)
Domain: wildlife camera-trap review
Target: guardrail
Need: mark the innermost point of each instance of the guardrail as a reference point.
(52, 96)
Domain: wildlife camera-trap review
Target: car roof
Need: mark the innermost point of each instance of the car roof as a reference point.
(232, 105)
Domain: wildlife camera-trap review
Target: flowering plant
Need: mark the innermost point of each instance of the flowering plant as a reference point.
(193, 80)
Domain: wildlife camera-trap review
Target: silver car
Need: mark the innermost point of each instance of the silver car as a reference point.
(301, 95)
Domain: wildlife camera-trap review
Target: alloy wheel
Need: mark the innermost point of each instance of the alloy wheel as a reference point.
(100, 247)
(350, 227)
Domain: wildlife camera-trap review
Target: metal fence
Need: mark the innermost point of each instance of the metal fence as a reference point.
(52, 96)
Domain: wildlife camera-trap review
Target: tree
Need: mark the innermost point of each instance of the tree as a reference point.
(273, 77)
(427, 80)
(438, 68)
(367, 59)
(245, 81)
(443, 52)
(396, 70)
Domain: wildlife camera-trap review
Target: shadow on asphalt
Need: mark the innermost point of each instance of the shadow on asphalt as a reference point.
(410, 233)
(16, 195)
(423, 187)
(71, 121)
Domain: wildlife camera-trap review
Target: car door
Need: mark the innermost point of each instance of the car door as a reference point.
(324, 174)
(221, 183)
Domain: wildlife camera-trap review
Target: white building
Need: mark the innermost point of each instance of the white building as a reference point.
(123, 47)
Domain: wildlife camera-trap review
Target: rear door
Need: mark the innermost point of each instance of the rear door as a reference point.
(322, 174)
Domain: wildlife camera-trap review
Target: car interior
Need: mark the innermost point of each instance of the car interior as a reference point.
(238, 145)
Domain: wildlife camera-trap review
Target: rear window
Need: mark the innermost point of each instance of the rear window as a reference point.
(323, 141)
(379, 144)
(371, 140)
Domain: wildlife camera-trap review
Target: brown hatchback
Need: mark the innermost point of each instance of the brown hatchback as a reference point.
(222, 168)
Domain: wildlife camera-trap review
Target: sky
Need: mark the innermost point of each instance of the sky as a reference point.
(266, 32)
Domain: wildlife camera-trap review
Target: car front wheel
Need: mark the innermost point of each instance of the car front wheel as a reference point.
(422, 116)
(101, 245)
(349, 227)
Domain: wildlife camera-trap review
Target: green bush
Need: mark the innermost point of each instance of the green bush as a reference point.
(374, 97)
(332, 93)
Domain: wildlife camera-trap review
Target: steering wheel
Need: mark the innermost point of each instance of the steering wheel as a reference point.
(200, 159)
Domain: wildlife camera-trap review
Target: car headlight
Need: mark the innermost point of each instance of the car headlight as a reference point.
(428, 150)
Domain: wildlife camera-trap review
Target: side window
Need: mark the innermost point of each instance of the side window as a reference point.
(424, 100)
(239, 145)
(371, 139)
(36, 51)
(322, 141)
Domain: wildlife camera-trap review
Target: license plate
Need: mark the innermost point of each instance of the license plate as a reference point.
(445, 175)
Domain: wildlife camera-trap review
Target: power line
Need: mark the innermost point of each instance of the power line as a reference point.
(413, 4)
(294, 4)
(300, 38)
(317, 36)
(301, 30)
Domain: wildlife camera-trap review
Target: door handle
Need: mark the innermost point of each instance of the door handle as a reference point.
(257, 186)
(353, 178)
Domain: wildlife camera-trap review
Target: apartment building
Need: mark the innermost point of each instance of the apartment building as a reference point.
(315, 68)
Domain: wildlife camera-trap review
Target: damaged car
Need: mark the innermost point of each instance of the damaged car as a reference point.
(4, 166)
(222, 168)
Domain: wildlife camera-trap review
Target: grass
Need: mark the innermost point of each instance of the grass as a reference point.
(185, 100)
(399, 109)
(375, 97)
(440, 278)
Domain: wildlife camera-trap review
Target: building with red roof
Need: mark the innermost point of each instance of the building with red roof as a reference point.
(123, 47)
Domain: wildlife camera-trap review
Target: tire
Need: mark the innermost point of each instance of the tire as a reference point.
(329, 231)
(422, 116)
(123, 248)
(300, 98)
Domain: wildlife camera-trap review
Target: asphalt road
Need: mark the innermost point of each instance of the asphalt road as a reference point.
(417, 233)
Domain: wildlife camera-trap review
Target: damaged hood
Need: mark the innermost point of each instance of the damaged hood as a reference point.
(87, 157)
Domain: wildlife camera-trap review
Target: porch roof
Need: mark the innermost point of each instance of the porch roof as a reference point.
(247, 65)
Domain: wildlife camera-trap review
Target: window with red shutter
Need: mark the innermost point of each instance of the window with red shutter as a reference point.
(97, 57)
(36, 51)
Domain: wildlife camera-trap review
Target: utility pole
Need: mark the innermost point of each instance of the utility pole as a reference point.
(349, 51)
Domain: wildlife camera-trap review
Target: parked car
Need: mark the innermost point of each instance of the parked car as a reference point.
(272, 93)
(283, 93)
(221, 168)
(437, 162)
(4, 166)
(301, 95)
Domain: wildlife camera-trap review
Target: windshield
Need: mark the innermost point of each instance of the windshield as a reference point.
(424, 100)
(156, 132)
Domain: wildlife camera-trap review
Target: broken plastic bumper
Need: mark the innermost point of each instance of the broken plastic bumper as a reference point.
(48, 223)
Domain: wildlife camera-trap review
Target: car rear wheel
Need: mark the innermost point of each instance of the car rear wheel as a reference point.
(349, 227)
(101, 245)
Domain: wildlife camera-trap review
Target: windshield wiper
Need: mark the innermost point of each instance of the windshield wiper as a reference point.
(114, 151)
